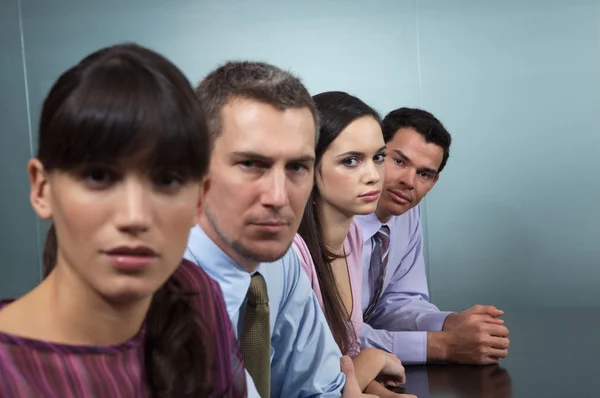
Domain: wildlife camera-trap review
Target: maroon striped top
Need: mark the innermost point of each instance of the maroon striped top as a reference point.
(34, 368)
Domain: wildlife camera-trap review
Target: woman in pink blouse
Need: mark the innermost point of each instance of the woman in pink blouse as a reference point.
(122, 157)
(348, 181)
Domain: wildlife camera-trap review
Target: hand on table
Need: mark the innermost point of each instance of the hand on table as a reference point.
(476, 336)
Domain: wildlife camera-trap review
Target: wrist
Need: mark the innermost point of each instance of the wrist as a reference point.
(450, 322)
(438, 346)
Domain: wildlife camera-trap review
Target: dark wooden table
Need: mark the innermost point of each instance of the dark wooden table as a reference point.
(553, 353)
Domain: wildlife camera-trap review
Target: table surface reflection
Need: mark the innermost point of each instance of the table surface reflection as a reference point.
(553, 353)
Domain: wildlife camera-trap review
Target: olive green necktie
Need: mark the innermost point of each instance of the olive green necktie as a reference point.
(255, 341)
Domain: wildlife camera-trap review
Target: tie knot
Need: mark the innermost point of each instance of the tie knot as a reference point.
(257, 292)
(384, 233)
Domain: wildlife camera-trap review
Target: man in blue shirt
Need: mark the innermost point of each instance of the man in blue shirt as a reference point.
(398, 315)
(264, 125)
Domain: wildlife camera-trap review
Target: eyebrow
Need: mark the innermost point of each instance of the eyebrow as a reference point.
(266, 159)
(359, 154)
(407, 159)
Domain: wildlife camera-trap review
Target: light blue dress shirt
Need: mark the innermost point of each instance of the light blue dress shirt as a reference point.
(403, 315)
(305, 360)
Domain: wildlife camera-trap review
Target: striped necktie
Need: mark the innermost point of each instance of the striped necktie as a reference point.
(379, 258)
(255, 340)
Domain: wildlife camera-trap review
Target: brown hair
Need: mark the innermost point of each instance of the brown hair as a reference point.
(128, 103)
(253, 80)
(336, 111)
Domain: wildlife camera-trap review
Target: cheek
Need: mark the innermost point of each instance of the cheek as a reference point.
(226, 197)
(421, 191)
(339, 182)
(80, 215)
(298, 195)
(390, 176)
(176, 214)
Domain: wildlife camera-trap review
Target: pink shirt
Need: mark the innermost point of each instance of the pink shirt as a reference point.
(353, 245)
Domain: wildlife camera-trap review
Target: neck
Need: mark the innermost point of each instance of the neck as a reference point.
(335, 226)
(82, 314)
(64, 309)
(209, 230)
(382, 215)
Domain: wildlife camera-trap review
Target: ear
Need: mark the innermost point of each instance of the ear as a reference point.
(204, 188)
(39, 194)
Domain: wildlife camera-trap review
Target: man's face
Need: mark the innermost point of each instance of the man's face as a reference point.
(410, 172)
(261, 176)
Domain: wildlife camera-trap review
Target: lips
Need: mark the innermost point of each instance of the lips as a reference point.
(400, 197)
(370, 193)
(131, 258)
(135, 251)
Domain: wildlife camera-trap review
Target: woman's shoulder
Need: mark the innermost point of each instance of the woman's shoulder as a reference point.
(304, 255)
(354, 239)
(193, 278)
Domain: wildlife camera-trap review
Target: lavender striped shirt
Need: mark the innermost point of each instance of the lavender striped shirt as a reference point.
(33, 368)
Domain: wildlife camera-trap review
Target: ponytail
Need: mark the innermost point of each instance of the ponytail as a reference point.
(50, 248)
(179, 360)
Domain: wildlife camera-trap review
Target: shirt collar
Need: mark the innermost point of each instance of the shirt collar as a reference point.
(232, 278)
(369, 225)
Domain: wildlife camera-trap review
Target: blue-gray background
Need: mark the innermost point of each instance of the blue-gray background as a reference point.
(513, 219)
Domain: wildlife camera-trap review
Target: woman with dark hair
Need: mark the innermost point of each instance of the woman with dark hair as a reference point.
(348, 179)
(123, 153)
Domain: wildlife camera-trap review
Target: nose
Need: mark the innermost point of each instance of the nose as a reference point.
(133, 215)
(275, 192)
(408, 177)
(373, 174)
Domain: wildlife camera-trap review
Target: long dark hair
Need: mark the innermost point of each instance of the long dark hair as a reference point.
(128, 103)
(336, 111)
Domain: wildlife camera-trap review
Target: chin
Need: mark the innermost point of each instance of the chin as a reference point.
(129, 292)
(363, 209)
(266, 251)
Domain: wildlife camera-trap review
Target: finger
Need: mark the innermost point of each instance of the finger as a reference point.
(493, 311)
(389, 380)
(487, 360)
(347, 366)
(486, 319)
(496, 353)
(501, 343)
(496, 330)
(485, 309)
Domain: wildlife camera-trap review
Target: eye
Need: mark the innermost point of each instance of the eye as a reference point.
(297, 167)
(350, 162)
(399, 161)
(247, 163)
(427, 176)
(168, 180)
(379, 158)
(98, 177)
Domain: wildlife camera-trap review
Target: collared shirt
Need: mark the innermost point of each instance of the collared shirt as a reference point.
(305, 360)
(403, 315)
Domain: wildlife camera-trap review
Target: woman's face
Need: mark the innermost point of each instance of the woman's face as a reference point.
(351, 171)
(119, 232)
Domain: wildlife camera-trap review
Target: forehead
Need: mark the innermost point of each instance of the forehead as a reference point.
(414, 146)
(362, 135)
(252, 126)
